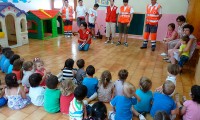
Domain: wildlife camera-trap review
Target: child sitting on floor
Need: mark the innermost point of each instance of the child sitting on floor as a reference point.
(36, 92)
(52, 95)
(17, 66)
(67, 90)
(3, 56)
(81, 74)
(3, 99)
(27, 71)
(77, 108)
(91, 84)
(6, 63)
(12, 59)
(105, 87)
(17, 98)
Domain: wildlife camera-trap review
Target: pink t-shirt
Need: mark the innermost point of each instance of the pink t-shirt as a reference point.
(171, 33)
(192, 110)
(65, 102)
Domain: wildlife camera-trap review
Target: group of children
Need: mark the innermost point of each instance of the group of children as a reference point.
(72, 90)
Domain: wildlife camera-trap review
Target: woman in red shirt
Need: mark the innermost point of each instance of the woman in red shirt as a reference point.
(84, 37)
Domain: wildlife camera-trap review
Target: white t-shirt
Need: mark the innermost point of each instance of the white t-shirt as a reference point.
(37, 95)
(92, 14)
(25, 79)
(81, 11)
(172, 79)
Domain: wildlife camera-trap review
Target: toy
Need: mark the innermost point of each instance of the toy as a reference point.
(44, 24)
(13, 26)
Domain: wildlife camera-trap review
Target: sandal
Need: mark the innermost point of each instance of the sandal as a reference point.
(166, 58)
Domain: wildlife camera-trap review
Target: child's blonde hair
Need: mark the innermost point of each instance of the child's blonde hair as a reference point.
(168, 87)
(105, 78)
(173, 69)
(145, 84)
(67, 87)
(128, 89)
(37, 60)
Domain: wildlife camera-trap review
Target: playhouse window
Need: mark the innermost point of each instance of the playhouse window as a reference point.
(58, 4)
(32, 27)
(23, 25)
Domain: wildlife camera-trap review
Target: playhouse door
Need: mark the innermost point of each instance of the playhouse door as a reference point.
(11, 32)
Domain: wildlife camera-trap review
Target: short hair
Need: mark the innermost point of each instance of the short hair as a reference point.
(13, 58)
(80, 63)
(35, 79)
(5, 49)
(181, 18)
(27, 65)
(173, 69)
(190, 27)
(52, 82)
(84, 24)
(9, 54)
(96, 5)
(69, 63)
(67, 87)
(185, 38)
(99, 111)
(195, 93)
(123, 74)
(17, 65)
(128, 89)
(168, 87)
(90, 70)
(161, 115)
(80, 0)
(80, 92)
(105, 78)
(145, 84)
(11, 80)
(125, 1)
(172, 25)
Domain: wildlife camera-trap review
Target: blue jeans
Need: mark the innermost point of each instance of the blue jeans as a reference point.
(84, 48)
(3, 101)
(183, 60)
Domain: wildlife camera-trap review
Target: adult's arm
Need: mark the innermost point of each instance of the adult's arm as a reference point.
(79, 38)
(89, 37)
(130, 20)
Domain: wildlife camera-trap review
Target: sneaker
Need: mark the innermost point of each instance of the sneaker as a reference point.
(94, 38)
(141, 117)
(165, 58)
(126, 44)
(163, 54)
(168, 61)
(107, 41)
(153, 49)
(112, 42)
(118, 43)
(143, 47)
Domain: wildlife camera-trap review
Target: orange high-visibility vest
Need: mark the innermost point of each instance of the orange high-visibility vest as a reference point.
(70, 9)
(124, 15)
(152, 16)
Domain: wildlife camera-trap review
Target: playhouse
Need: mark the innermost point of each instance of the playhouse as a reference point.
(13, 26)
(44, 24)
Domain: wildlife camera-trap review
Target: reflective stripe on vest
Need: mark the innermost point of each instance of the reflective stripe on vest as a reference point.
(124, 16)
(70, 10)
(152, 16)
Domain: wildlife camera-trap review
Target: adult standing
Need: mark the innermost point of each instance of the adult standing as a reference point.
(111, 19)
(81, 12)
(67, 16)
(153, 15)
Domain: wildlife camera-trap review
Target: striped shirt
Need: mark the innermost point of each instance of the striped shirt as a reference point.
(76, 110)
(67, 74)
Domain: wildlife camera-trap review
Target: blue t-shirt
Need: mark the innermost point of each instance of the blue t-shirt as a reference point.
(10, 68)
(145, 104)
(3, 58)
(123, 106)
(5, 66)
(91, 84)
(162, 102)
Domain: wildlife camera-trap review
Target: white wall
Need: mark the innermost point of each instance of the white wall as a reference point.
(33, 5)
(168, 6)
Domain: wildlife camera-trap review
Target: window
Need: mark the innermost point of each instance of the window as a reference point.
(58, 4)
(23, 25)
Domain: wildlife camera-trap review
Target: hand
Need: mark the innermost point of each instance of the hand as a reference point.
(128, 25)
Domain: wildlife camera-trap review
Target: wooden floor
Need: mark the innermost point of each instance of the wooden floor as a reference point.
(138, 62)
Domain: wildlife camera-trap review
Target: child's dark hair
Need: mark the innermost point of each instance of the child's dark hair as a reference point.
(17, 65)
(96, 5)
(80, 0)
(80, 63)
(181, 18)
(69, 63)
(52, 82)
(27, 65)
(105, 78)
(185, 38)
(11, 80)
(172, 25)
(168, 87)
(189, 27)
(90, 70)
(125, 1)
(5, 49)
(161, 115)
(99, 111)
(84, 24)
(80, 92)
(13, 58)
(1, 48)
(195, 91)
(9, 54)
(145, 84)
(35, 79)
(123, 74)
(173, 69)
